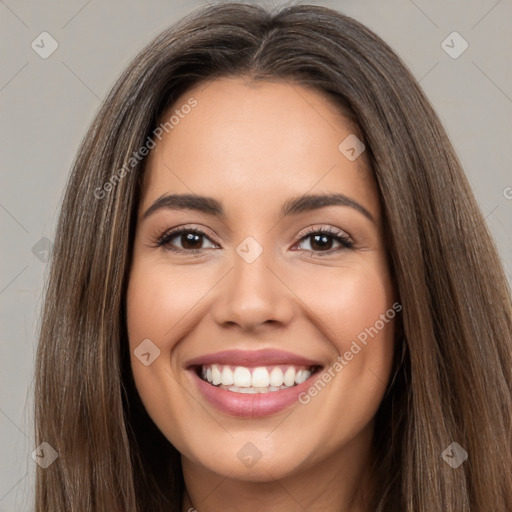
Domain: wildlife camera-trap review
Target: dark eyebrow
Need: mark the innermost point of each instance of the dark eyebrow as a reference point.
(293, 206)
(311, 202)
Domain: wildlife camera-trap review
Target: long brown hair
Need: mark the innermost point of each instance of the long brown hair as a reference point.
(453, 365)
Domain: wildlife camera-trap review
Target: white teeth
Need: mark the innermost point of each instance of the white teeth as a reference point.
(276, 377)
(216, 376)
(289, 376)
(227, 376)
(254, 380)
(242, 377)
(253, 390)
(301, 376)
(260, 378)
(247, 390)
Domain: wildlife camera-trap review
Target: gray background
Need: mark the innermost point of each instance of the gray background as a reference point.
(47, 104)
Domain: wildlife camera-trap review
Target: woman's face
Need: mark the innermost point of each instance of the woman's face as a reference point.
(260, 298)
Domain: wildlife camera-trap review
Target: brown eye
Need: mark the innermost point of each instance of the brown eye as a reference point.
(321, 240)
(190, 239)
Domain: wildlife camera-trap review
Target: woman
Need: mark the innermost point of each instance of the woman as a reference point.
(204, 346)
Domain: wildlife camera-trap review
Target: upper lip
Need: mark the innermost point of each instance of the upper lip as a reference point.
(248, 358)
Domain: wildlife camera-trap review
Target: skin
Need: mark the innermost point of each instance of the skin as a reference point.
(252, 147)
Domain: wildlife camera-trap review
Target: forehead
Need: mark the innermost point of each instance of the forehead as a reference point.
(259, 141)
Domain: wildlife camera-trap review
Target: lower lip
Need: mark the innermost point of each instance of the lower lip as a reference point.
(252, 405)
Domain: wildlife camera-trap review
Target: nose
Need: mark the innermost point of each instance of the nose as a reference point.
(253, 294)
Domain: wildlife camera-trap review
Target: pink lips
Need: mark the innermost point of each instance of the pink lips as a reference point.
(250, 405)
(252, 359)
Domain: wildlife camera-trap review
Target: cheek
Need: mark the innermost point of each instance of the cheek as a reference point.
(158, 307)
(160, 302)
(356, 313)
(163, 305)
(349, 302)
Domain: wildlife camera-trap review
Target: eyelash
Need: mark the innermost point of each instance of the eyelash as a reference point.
(344, 240)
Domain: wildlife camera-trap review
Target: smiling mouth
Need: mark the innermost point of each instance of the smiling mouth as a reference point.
(251, 380)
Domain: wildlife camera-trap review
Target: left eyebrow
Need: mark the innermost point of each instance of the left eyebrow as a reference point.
(293, 206)
(311, 202)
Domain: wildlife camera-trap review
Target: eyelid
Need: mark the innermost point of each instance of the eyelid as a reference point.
(324, 229)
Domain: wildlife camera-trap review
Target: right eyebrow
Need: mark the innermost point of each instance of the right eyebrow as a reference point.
(202, 204)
